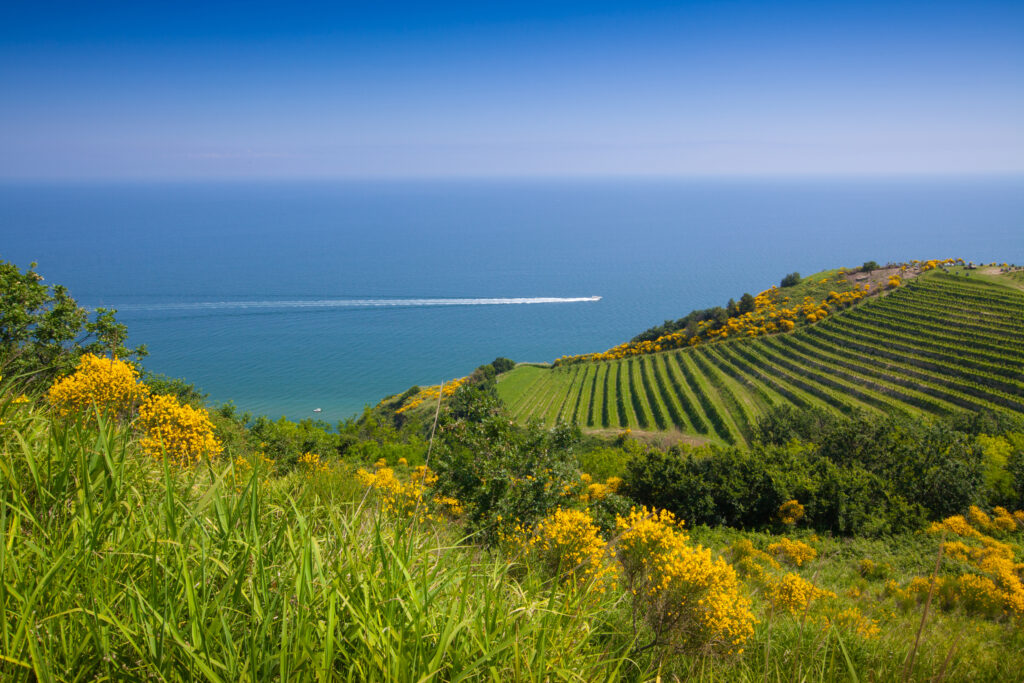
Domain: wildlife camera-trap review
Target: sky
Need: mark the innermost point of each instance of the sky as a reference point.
(260, 90)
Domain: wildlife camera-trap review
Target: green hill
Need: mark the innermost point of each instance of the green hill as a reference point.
(941, 343)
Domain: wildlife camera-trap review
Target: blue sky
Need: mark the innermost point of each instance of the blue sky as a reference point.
(150, 90)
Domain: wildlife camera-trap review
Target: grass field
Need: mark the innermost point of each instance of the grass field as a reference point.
(939, 344)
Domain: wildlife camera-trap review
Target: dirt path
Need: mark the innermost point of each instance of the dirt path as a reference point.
(661, 440)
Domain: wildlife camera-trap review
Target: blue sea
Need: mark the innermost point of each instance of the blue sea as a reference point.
(285, 297)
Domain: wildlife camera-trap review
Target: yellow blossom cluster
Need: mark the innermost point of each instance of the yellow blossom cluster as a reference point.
(773, 312)
(791, 512)
(689, 598)
(432, 393)
(994, 582)
(596, 490)
(794, 593)
(109, 384)
(175, 430)
(847, 298)
(566, 543)
(406, 498)
(310, 462)
(796, 553)
(894, 282)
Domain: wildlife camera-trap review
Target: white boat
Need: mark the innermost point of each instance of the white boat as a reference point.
(318, 410)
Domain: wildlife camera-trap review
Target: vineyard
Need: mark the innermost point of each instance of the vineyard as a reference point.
(939, 344)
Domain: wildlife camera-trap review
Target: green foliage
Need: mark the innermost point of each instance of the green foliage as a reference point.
(791, 280)
(935, 346)
(43, 331)
(870, 266)
(283, 440)
(784, 423)
(231, 574)
(502, 473)
(856, 475)
(608, 461)
(501, 364)
(181, 389)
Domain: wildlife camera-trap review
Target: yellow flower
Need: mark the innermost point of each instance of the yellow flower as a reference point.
(180, 432)
(109, 384)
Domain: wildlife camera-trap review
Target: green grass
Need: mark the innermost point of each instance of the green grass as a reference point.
(941, 343)
(116, 567)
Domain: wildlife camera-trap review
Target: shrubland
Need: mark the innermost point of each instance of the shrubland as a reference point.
(144, 535)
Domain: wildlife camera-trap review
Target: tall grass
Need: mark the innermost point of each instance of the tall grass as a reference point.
(117, 568)
(114, 566)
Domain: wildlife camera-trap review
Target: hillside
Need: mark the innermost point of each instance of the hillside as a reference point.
(940, 343)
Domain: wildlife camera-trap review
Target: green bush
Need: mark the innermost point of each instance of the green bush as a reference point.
(791, 280)
(503, 474)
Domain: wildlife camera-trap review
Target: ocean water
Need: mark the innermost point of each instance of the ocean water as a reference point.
(285, 297)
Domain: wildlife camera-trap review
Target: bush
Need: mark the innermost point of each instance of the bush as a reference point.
(859, 474)
(870, 266)
(791, 280)
(179, 432)
(106, 384)
(504, 474)
(501, 365)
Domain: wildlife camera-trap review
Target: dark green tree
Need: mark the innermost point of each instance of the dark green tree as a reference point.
(43, 331)
(791, 279)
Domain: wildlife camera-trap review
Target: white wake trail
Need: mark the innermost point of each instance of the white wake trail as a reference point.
(351, 303)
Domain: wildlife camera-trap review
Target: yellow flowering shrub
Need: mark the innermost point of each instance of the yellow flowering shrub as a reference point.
(567, 544)
(108, 383)
(792, 552)
(432, 393)
(750, 561)
(691, 600)
(310, 462)
(791, 512)
(993, 585)
(451, 506)
(403, 498)
(180, 432)
(793, 593)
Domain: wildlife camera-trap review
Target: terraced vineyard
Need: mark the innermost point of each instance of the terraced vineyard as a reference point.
(939, 344)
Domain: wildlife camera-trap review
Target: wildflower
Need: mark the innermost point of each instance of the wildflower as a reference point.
(567, 544)
(791, 512)
(182, 433)
(687, 596)
(109, 384)
(794, 593)
(794, 552)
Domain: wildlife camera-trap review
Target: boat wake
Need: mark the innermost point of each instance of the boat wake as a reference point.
(349, 303)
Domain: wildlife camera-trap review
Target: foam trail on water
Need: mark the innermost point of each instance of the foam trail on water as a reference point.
(350, 303)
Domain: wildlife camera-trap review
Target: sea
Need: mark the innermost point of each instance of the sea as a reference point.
(285, 297)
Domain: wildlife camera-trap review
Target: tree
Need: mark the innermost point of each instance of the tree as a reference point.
(791, 279)
(870, 266)
(747, 303)
(43, 331)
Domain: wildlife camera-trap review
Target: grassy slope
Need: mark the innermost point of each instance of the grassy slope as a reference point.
(116, 568)
(942, 343)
